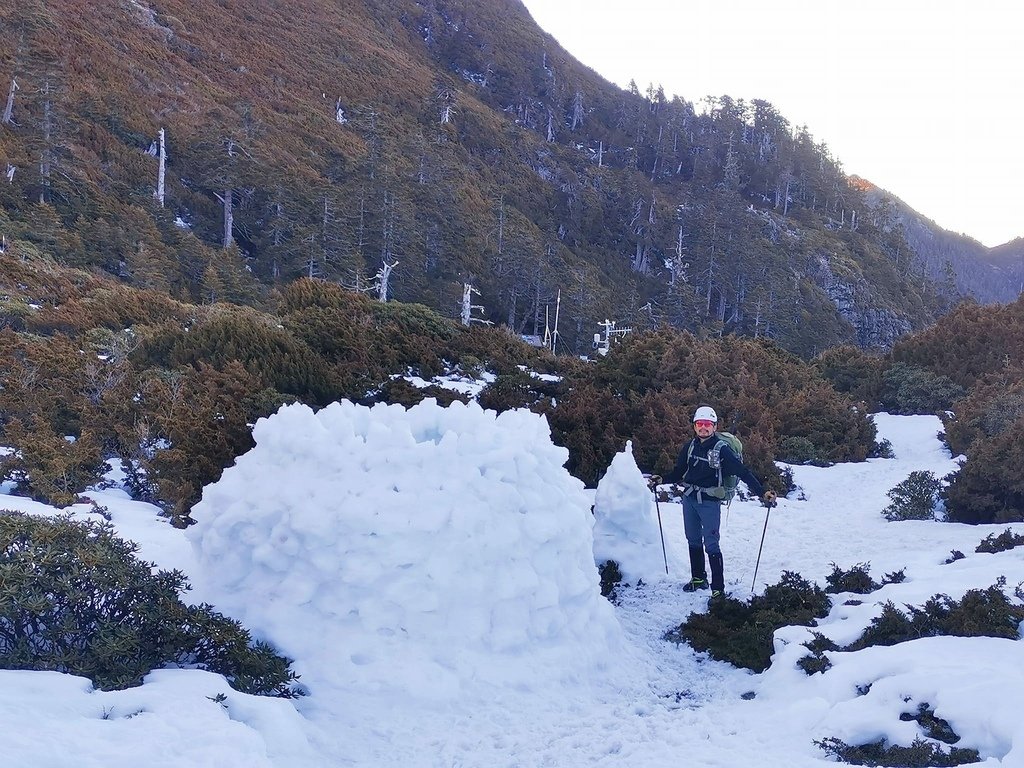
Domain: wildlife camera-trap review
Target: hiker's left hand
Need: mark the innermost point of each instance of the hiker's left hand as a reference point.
(654, 481)
(768, 499)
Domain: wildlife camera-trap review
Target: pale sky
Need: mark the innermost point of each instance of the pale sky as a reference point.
(922, 98)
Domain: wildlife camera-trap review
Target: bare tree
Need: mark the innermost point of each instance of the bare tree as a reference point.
(467, 307)
(8, 116)
(678, 266)
(577, 110)
(383, 278)
(446, 98)
(227, 201)
(46, 149)
(642, 230)
(162, 172)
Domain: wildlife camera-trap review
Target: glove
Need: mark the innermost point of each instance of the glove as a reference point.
(654, 481)
(768, 499)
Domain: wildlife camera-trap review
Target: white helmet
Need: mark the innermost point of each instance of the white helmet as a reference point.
(705, 413)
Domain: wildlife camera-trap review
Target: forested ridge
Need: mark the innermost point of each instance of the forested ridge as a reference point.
(453, 140)
(92, 370)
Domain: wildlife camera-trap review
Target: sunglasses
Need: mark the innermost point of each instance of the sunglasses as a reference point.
(703, 423)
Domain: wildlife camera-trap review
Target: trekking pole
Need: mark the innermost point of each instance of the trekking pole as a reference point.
(768, 511)
(661, 530)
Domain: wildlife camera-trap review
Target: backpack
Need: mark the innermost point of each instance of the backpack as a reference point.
(726, 489)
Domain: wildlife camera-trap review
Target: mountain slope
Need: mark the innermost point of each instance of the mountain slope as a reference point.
(457, 139)
(956, 262)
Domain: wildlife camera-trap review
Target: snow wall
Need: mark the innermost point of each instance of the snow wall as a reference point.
(435, 545)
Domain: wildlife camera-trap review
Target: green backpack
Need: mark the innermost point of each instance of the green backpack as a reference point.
(726, 489)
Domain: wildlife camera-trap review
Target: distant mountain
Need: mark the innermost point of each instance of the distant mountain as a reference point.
(989, 275)
(451, 139)
(1010, 258)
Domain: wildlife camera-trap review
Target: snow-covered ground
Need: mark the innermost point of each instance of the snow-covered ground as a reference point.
(431, 572)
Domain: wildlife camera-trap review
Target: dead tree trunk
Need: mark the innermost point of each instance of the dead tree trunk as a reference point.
(9, 109)
(162, 172)
(229, 217)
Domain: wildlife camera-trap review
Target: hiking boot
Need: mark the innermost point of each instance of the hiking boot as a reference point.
(697, 570)
(694, 584)
(717, 572)
(717, 594)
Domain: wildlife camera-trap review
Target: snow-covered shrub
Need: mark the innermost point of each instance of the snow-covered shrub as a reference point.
(877, 753)
(980, 613)
(77, 600)
(914, 498)
(816, 660)
(856, 580)
(1002, 542)
(882, 449)
(934, 727)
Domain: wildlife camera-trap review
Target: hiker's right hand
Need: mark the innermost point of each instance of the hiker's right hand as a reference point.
(768, 499)
(654, 481)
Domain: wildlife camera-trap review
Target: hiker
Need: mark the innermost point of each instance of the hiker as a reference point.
(700, 470)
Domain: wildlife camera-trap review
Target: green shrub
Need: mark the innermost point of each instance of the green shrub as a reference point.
(856, 580)
(991, 408)
(851, 370)
(515, 389)
(611, 577)
(742, 633)
(77, 600)
(980, 613)
(48, 467)
(909, 389)
(987, 487)
(198, 424)
(1003, 542)
(838, 429)
(882, 450)
(798, 450)
(399, 391)
(279, 358)
(896, 577)
(920, 754)
(645, 390)
(816, 660)
(914, 498)
(934, 727)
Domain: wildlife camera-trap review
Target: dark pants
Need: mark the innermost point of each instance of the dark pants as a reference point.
(701, 521)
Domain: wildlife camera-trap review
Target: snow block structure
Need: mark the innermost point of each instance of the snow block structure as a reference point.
(626, 522)
(435, 546)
